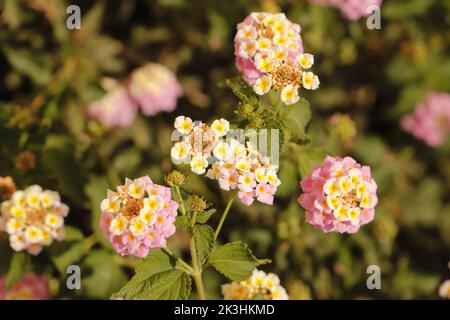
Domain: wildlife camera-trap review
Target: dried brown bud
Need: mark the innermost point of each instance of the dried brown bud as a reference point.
(175, 178)
(197, 203)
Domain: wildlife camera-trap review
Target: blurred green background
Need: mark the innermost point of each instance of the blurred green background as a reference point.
(49, 74)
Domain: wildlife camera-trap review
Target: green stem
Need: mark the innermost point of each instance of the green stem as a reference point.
(277, 112)
(194, 217)
(183, 209)
(224, 215)
(197, 274)
(183, 263)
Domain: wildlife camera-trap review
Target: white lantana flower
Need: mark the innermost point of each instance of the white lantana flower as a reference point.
(184, 124)
(262, 85)
(310, 81)
(199, 164)
(289, 95)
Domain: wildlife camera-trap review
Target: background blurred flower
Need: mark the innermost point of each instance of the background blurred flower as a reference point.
(351, 9)
(29, 287)
(33, 218)
(115, 109)
(155, 88)
(430, 121)
(339, 195)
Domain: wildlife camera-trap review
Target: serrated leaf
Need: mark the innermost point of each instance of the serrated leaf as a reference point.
(294, 119)
(182, 222)
(17, 268)
(167, 285)
(171, 284)
(242, 90)
(204, 241)
(157, 261)
(234, 260)
(203, 217)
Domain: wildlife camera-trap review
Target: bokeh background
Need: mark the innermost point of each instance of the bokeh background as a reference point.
(370, 78)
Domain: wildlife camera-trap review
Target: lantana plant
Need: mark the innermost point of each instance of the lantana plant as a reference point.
(131, 221)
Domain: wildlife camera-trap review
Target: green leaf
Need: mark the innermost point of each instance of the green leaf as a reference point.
(68, 251)
(203, 217)
(204, 241)
(235, 261)
(182, 222)
(29, 64)
(101, 276)
(96, 189)
(156, 278)
(17, 268)
(156, 262)
(60, 162)
(167, 285)
(242, 90)
(294, 119)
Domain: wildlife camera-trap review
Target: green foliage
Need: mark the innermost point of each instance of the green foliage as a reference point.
(17, 268)
(157, 278)
(235, 261)
(50, 75)
(204, 241)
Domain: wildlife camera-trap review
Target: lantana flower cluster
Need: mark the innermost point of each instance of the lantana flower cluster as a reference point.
(33, 218)
(233, 164)
(350, 9)
(339, 195)
(29, 287)
(139, 216)
(430, 122)
(259, 286)
(269, 53)
(153, 88)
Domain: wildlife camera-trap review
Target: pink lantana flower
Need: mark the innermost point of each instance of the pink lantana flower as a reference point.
(430, 121)
(138, 217)
(115, 109)
(339, 195)
(29, 287)
(350, 9)
(155, 88)
(269, 53)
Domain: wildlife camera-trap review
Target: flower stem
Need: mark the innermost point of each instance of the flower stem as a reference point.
(183, 209)
(224, 215)
(183, 263)
(197, 273)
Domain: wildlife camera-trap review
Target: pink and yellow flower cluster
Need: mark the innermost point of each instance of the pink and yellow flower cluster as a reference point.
(153, 88)
(259, 286)
(33, 218)
(139, 216)
(29, 287)
(430, 122)
(229, 161)
(351, 9)
(269, 53)
(339, 195)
